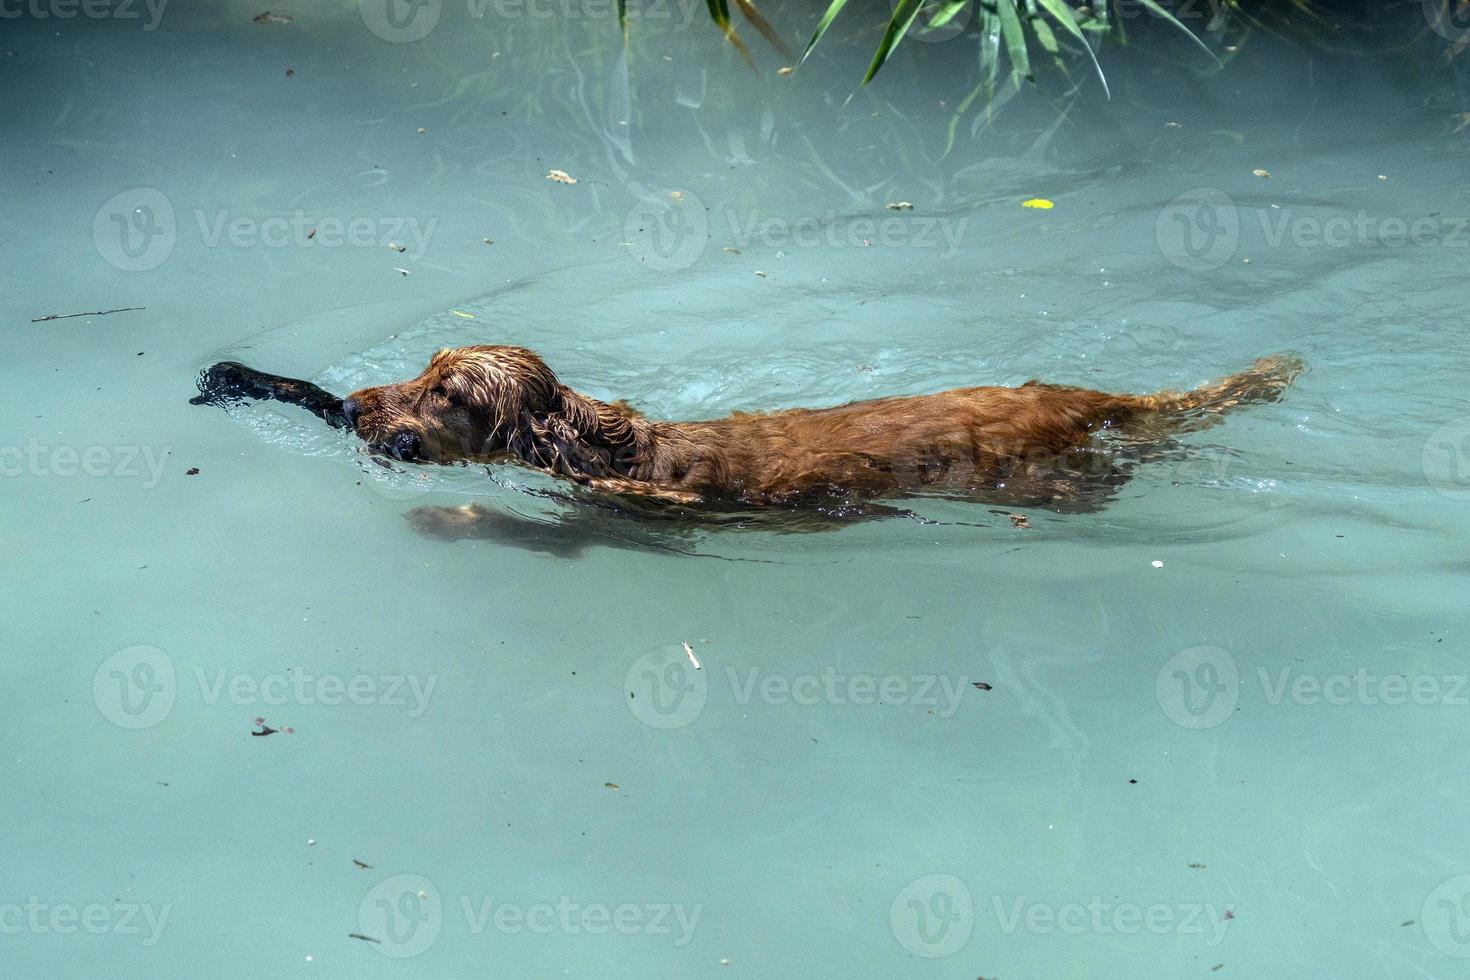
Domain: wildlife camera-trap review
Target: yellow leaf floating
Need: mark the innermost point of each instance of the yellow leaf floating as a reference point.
(465, 316)
(1038, 202)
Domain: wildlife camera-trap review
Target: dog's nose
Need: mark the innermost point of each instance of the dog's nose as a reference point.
(351, 408)
(405, 446)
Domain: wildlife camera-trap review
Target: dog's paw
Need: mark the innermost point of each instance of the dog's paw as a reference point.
(450, 523)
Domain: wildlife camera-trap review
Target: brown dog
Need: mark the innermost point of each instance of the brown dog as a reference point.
(1032, 444)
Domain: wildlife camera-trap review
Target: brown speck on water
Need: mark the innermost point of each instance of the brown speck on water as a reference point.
(192, 471)
(611, 786)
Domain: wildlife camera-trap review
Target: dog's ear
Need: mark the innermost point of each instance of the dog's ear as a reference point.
(579, 437)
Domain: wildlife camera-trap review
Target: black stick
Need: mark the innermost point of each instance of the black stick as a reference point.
(229, 381)
(68, 316)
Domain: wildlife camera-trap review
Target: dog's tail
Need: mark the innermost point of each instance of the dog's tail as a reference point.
(1265, 381)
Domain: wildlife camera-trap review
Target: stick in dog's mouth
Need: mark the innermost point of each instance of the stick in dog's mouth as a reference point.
(230, 381)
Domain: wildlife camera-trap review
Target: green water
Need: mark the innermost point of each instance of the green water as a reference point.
(1220, 721)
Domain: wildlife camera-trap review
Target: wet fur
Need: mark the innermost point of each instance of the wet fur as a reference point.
(1035, 443)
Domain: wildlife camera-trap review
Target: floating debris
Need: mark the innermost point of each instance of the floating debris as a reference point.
(270, 18)
(1261, 173)
(561, 177)
(1019, 521)
(1039, 203)
(689, 651)
(899, 206)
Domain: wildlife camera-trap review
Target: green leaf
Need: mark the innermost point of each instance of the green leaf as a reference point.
(759, 22)
(623, 18)
(833, 10)
(1063, 15)
(903, 18)
(1044, 35)
(719, 12)
(1015, 36)
(990, 44)
(947, 10)
(1153, 7)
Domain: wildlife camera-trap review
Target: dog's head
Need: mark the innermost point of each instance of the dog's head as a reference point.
(484, 403)
(466, 405)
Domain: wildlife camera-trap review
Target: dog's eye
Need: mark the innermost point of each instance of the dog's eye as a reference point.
(439, 391)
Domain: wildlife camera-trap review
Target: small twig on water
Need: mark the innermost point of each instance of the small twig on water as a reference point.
(68, 316)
